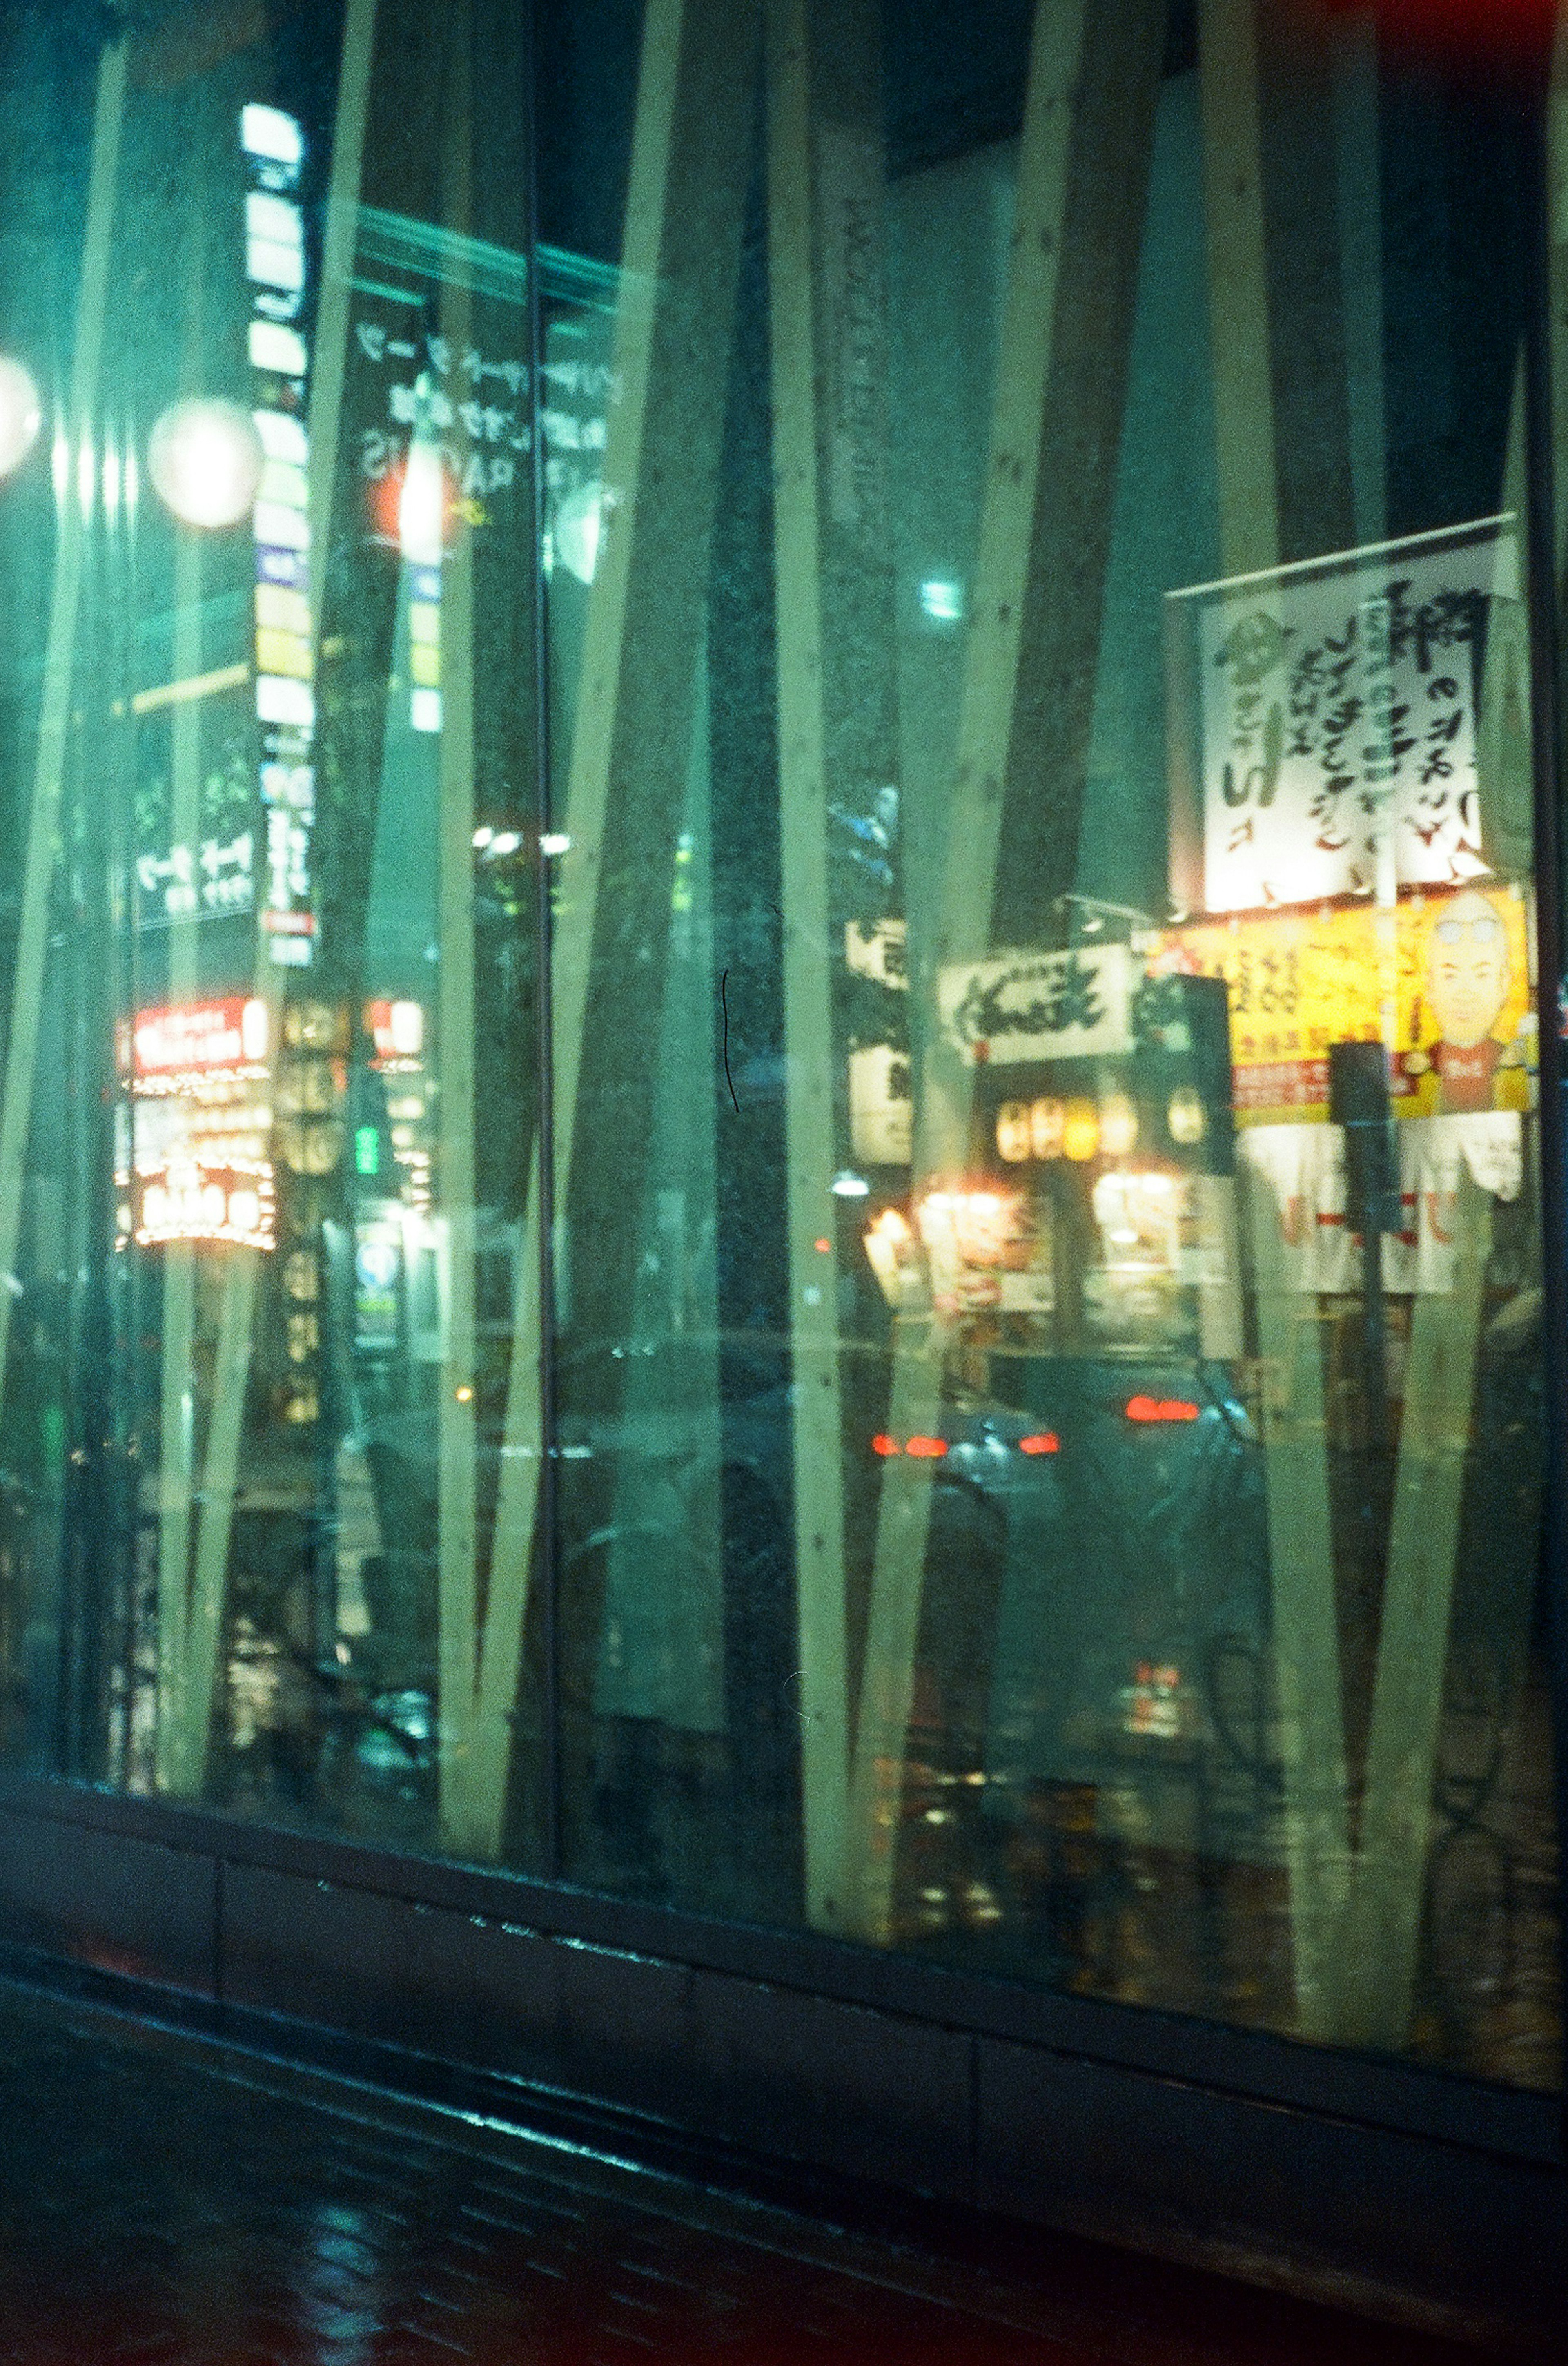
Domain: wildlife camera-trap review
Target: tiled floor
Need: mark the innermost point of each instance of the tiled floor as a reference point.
(167, 2200)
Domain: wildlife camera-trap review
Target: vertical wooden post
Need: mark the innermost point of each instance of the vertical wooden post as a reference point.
(1355, 67)
(177, 1408)
(823, 95)
(662, 1642)
(1375, 1976)
(457, 1430)
(74, 436)
(1028, 684)
(177, 1442)
(1306, 1621)
(1238, 286)
(645, 619)
(340, 231)
(1377, 1959)
(220, 1466)
(457, 1538)
(1306, 1649)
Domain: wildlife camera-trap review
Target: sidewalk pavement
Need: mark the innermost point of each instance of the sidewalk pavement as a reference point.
(171, 2199)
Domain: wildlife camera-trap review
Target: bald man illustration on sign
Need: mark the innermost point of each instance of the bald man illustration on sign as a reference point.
(1468, 980)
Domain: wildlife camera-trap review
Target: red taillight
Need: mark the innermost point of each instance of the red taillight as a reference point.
(926, 1450)
(1141, 1408)
(883, 1444)
(1045, 1441)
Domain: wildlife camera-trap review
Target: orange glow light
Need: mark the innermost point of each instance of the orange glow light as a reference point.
(1045, 1441)
(1081, 1130)
(926, 1450)
(883, 1444)
(1142, 1408)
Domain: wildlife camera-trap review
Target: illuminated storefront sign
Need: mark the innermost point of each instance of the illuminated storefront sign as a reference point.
(1039, 1006)
(1338, 730)
(1443, 980)
(192, 1150)
(397, 1031)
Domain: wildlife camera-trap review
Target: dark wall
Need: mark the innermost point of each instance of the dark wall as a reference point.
(1409, 2194)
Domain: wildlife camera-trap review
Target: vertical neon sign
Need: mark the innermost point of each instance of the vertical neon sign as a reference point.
(273, 147)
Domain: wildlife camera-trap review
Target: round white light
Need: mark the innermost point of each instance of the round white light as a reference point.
(204, 459)
(21, 414)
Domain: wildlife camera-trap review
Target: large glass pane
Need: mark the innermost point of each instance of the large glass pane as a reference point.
(902, 1292)
(270, 871)
(1048, 1249)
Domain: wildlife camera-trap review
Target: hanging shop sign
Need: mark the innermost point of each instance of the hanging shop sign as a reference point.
(1351, 732)
(1444, 979)
(1040, 1006)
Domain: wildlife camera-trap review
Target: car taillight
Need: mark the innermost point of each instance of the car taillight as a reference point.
(1141, 1408)
(1045, 1441)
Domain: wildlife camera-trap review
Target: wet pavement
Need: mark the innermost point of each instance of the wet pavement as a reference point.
(171, 2199)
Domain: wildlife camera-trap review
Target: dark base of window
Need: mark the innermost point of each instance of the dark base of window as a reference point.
(960, 2112)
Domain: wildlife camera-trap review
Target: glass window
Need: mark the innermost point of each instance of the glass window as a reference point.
(770, 1121)
(271, 872)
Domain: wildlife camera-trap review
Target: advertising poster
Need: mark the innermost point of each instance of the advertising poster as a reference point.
(1443, 978)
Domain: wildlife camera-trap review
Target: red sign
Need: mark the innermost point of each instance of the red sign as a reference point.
(227, 1035)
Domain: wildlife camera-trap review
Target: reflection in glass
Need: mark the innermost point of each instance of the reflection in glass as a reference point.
(785, 928)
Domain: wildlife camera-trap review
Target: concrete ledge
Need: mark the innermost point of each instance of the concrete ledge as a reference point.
(1401, 2223)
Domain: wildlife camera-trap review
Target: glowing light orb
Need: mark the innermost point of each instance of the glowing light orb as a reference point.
(21, 414)
(204, 459)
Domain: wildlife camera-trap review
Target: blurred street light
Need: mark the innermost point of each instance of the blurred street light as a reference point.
(204, 459)
(22, 413)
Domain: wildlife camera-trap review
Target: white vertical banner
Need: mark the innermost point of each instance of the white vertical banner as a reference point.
(1339, 718)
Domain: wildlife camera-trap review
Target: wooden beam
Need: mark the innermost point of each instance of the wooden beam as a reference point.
(457, 1509)
(177, 1386)
(76, 431)
(340, 230)
(236, 1329)
(177, 1410)
(1238, 286)
(1301, 1557)
(825, 238)
(631, 743)
(1307, 1678)
(1380, 1944)
(661, 1652)
(1077, 223)
(457, 1525)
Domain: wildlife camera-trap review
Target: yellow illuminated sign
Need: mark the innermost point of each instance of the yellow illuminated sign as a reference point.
(1443, 978)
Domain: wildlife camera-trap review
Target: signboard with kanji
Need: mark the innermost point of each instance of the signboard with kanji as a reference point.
(1443, 978)
(1029, 1006)
(1338, 719)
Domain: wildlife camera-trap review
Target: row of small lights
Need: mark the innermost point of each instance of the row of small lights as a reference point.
(931, 1450)
(497, 843)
